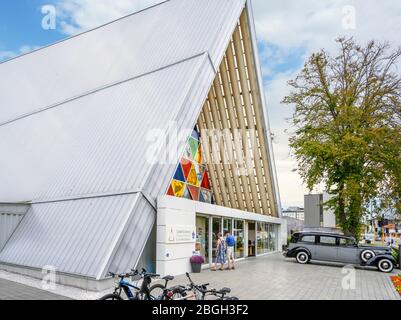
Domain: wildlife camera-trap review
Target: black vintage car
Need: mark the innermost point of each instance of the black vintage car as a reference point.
(306, 246)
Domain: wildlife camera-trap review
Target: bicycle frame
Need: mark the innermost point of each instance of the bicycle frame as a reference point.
(199, 292)
(127, 286)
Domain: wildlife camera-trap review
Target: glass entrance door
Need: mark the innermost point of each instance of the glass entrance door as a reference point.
(216, 229)
(202, 237)
(239, 236)
(227, 226)
(251, 239)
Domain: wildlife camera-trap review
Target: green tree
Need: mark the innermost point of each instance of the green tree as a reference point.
(347, 128)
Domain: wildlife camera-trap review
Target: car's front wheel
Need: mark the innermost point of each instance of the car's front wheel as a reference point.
(385, 265)
(302, 257)
(367, 254)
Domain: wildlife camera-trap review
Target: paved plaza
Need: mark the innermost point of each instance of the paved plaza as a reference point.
(269, 277)
(274, 277)
(15, 291)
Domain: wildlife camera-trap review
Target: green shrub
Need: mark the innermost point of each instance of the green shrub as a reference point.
(396, 254)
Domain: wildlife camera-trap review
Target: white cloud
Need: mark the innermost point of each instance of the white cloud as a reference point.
(80, 15)
(6, 55)
(305, 26)
(314, 24)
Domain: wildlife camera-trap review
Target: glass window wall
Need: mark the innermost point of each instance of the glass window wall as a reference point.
(202, 237)
(239, 236)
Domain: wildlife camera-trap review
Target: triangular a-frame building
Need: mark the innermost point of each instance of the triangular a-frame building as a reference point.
(81, 125)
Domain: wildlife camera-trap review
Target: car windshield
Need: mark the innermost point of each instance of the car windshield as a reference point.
(347, 242)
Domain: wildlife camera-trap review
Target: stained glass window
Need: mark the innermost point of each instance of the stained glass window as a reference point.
(191, 178)
(178, 188)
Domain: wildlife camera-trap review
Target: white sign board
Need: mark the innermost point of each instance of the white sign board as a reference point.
(180, 234)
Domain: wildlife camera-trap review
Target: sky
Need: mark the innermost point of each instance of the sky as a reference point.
(288, 31)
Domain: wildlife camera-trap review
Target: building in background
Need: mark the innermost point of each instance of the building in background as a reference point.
(294, 212)
(295, 218)
(316, 215)
(87, 187)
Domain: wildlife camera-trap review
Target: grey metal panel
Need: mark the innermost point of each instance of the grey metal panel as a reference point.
(131, 46)
(8, 223)
(97, 143)
(14, 208)
(76, 237)
(138, 229)
(10, 217)
(312, 204)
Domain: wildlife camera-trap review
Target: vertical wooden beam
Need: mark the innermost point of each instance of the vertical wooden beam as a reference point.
(257, 100)
(205, 142)
(215, 145)
(242, 125)
(236, 140)
(218, 126)
(239, 55)
(230, 167)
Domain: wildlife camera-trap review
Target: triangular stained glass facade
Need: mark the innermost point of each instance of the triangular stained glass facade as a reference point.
(179, 175)
(195, 135)
(194, 192)
(178, 188)
(170, 191)
(198, 156)
(205, 181)
(194, 145)
(191, 180)
(187, 194)
(186, 167)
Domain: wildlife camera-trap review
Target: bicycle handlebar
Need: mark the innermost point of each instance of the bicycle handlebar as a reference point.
(122, 275)
(143, 273)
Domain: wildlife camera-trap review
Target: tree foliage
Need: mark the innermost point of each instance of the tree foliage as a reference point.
(347, 124)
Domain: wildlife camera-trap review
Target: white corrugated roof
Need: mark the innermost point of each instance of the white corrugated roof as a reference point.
(140, 43)
(73, 131)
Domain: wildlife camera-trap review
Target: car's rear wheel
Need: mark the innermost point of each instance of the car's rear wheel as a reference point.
(385, 265)
(367, 254)
(302, 257)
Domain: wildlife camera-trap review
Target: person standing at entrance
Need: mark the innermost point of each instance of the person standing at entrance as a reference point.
(230, 241)
(220, 252)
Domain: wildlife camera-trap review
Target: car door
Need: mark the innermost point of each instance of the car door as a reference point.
(326, 248)
(308, 241)
(348, 251)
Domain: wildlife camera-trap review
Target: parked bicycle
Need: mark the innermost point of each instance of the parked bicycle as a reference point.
(131, 291)
(200, 292)
(162, 292)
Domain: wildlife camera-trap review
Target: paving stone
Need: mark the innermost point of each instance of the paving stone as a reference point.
(14, 291)
(274, 277)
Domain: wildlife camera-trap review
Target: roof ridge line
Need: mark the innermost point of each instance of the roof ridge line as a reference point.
(107, 86)
(84, 32)
(95, 195)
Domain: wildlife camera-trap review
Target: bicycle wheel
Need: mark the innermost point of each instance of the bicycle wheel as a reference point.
(157, 291)
(111, 296)
(178, 294)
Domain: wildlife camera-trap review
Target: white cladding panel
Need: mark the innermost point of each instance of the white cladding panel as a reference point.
(142, 42)
(75, 237)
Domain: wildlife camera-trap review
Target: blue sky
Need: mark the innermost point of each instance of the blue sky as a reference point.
(287, 31)
(20, 25)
